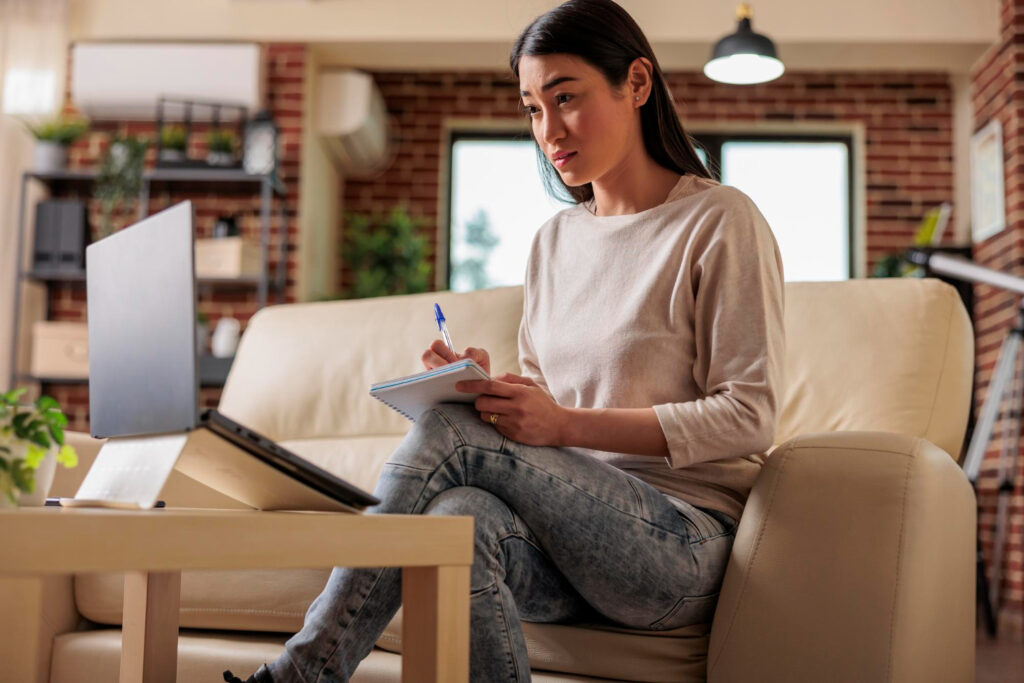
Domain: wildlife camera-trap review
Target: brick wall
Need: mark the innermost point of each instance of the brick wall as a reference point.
(907, 116)
(285, 73)
(997, 94)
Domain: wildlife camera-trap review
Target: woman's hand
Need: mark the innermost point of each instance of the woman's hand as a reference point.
(439, 354)
(525, 412)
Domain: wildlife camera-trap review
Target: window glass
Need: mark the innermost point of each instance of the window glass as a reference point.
(498, 203)
(802, 188)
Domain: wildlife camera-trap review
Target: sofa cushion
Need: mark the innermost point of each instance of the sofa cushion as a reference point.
(303, 371)
(94, 656)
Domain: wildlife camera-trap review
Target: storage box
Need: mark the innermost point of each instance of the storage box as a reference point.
(227, 257)
(60, 350)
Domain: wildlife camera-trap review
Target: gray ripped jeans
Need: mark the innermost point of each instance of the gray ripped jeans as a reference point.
(560, 537)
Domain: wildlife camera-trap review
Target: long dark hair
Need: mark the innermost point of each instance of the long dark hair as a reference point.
(606, 37)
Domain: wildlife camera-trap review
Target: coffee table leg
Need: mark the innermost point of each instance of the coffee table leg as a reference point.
(435, 624)
(149, 631)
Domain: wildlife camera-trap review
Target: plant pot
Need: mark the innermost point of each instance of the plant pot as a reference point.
(49, 157)
(44, 475)
(220, 158)
(172, 155)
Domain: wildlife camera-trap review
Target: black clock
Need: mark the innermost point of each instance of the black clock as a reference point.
(261, 145)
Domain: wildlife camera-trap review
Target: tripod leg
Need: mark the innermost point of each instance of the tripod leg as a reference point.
(982, 590)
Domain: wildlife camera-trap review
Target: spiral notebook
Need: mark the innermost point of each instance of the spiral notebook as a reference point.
(414, 395)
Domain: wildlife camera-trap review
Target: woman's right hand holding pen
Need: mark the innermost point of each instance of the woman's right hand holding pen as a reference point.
(439, 354)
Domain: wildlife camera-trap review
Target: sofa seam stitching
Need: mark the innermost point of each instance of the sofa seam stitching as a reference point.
(945, 363)
(899, 565)
(753, 555)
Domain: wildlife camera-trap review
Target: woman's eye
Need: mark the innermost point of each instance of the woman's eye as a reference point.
(529, 110)
(562, 99)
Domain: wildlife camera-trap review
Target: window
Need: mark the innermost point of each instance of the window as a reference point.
(803, 185)
(496, 205)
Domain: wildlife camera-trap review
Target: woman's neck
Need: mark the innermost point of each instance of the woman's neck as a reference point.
(635, 185)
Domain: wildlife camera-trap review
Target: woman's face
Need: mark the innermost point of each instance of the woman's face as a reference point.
(584, 127)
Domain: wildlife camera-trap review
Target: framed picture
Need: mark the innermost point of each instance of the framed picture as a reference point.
(988, 213)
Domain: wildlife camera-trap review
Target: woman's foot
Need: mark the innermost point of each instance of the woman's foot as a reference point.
(261, 676)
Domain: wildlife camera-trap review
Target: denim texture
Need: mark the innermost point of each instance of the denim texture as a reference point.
(559, 537)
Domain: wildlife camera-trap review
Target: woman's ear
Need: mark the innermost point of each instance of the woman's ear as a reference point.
(640, 80)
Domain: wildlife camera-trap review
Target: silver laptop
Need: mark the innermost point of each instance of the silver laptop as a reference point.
(144, 387)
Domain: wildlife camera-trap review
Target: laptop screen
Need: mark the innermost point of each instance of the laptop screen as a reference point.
(142, 316)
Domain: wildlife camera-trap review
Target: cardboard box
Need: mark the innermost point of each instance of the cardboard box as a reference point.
(227, 257)
(60, 350)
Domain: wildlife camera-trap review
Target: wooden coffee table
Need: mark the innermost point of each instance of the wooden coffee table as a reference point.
(153, 547)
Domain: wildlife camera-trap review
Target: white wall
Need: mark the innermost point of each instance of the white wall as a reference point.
(477, 33)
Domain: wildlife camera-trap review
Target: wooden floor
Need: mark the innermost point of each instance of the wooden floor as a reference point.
(998, 661)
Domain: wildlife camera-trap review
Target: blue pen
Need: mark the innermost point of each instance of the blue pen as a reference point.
(443, 327)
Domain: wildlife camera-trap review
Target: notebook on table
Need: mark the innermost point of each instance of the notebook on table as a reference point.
(413, 395)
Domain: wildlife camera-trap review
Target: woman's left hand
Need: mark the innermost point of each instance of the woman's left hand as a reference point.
(525, 412)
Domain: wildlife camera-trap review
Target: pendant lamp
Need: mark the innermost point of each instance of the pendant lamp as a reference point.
(744, 57)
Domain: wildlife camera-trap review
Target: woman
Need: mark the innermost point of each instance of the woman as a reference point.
(605, 481)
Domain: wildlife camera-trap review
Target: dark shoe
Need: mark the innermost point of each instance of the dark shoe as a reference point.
(261, 676)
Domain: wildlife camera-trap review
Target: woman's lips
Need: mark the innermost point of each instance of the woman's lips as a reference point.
(562, 161)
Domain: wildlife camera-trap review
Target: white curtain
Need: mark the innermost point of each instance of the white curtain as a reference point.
(33, 59)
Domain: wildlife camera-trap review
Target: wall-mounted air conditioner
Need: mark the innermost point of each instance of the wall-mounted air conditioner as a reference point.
(124, 80)
(352, 121)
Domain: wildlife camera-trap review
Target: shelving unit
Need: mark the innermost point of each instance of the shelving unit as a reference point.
(212, 371)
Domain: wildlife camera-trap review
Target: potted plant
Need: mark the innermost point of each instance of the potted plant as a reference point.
(31, 446)
(173, 143)
(220, 144)
(53, 136)
(386, 255)
(119, 180)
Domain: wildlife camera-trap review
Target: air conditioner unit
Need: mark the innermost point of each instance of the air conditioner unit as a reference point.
(351, 120)
(123, 80)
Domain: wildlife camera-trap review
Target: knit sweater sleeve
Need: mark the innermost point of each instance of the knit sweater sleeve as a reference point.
(735, 271)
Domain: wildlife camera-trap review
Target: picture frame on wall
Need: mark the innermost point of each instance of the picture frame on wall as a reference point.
(988, 210)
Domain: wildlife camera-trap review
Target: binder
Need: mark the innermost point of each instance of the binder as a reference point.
(413, 395)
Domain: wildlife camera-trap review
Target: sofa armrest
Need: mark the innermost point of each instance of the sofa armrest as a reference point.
(35, 610)
(853, 561)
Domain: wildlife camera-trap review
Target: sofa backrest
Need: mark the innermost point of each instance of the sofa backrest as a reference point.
(889, 355)
(878, 355)
(303, 371)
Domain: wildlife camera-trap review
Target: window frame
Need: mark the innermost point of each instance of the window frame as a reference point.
(712, 143)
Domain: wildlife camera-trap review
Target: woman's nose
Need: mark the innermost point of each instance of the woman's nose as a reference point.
(552, 128)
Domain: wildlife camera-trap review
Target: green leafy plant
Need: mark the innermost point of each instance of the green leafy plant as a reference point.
(63, 129)
(119, 180)
(39, 426)
(220, 140)
(173, 137)
(386, 254)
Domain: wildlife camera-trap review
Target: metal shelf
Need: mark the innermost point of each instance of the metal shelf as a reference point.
(76, 278)
(215, 180)
(226, 176)
(213, 372)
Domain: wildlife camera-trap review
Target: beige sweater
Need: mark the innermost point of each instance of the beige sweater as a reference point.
(679, 307)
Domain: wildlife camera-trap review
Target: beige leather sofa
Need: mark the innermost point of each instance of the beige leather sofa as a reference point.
(854, 558)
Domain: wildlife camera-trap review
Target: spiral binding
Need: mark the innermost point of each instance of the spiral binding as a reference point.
(395, 408)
